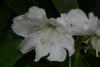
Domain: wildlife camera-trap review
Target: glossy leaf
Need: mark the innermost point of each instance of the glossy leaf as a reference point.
(9, 53)
(79, 61)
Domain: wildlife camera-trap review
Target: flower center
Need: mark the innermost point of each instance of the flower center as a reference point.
(51, 26)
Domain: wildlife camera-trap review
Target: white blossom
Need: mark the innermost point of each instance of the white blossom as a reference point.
(42, 35)
(76, 22)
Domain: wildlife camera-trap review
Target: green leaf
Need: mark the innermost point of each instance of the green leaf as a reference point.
(64, 5)
(19, 6)
(9, 53)
(79, 61)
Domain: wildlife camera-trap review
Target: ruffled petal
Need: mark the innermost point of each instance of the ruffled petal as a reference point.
(75, 22)
(41, 51)
(93, 23)
(32, 40)
(43, 44)
(68, 44)
(21, 26)
(27, 45)
(57, 54)
(35, 19)
(36, 13)
(60, 43)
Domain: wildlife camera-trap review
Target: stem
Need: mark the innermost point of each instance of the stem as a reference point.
(96, 45)
(97, 53)
(70, 62)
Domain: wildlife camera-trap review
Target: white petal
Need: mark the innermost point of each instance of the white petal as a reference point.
(60, 43)
(36, 13)
(93, 22)
(41, 51)
(27, 45)
(68, 43)
(64, 41)
(98, 32)
(73, 16)
(32, 21)
(98, 29)
(75, 22)
(77, 16)
(43, 45)
(32, 40)
(96, 43)
(57, 54)
(21, 26)
(93, 41)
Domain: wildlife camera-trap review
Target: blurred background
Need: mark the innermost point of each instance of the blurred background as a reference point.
(10, 56)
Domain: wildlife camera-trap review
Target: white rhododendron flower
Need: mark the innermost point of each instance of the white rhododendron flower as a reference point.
(76, 22)
(43, 35)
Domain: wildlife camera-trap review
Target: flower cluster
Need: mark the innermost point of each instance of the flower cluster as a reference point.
(53, 37)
